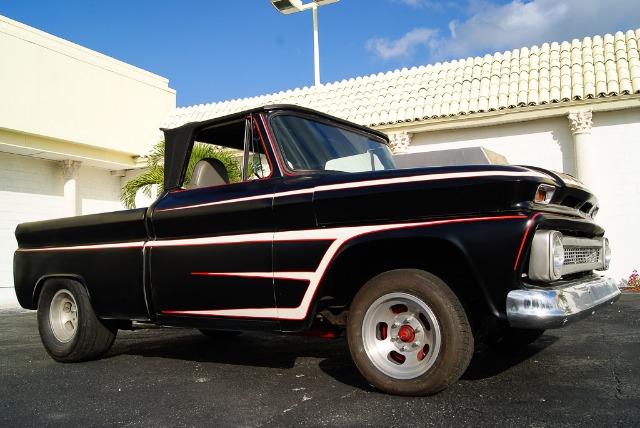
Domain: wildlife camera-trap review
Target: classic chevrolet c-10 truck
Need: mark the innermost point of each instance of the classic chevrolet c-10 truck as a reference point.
(324, 234)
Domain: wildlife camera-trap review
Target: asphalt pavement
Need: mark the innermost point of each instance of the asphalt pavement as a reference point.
(585, 375)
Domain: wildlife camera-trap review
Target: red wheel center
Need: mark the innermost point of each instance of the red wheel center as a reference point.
(406, 333)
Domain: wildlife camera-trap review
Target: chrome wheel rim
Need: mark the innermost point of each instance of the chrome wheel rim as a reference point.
(401, 335)
(63, 316)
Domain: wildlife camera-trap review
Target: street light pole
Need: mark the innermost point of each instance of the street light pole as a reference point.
(287, 7)
(316, 46)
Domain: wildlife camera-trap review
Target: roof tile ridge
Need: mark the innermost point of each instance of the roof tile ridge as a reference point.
(588, 69)
(622, 64)
(610, 66)
(576, 70)
(633, 49)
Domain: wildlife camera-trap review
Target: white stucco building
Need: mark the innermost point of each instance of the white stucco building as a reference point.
(77, 121)
(72, 122)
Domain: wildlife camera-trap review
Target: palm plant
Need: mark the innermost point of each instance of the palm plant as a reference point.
(154, 175)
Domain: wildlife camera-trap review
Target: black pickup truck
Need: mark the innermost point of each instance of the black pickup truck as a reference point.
(323, 234)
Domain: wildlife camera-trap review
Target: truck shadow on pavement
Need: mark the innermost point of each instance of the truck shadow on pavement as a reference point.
(490, 361)
(248, 349)
(284, 352)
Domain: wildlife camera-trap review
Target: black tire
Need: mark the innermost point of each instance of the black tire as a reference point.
(69, 328)
(220, 334)
(408, 333)
(514, 338)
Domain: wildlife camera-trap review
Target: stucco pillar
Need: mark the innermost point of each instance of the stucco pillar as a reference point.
(70, 173)
(400, 142)
(586, 156)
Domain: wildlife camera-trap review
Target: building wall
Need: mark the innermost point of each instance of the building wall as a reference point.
(616, 136)
(546, 143)
(32, 189)
(549, 143)
(69, 93)
(64, 102)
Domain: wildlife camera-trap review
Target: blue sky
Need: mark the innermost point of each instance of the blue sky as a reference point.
(217, 50)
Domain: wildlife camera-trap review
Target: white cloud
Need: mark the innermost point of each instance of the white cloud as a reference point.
(492, 27)
(414, 3)
(487, 27)
(452, 27)
(420, 3)
(387, 49)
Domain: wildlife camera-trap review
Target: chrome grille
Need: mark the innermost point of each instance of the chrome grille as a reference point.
(581, 255)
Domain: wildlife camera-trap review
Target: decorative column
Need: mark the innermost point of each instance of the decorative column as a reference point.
(586, 156)
(70, 173)
(400, 142)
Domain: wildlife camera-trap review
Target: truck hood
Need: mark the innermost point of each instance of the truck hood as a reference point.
(418, 193)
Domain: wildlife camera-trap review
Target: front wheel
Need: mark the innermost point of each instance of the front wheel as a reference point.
(69, 329)
(408, 333)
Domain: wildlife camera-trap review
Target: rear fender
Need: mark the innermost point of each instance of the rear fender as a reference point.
(41, 281)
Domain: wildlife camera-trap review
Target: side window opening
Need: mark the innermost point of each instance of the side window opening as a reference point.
(227, 153)
(257, 166)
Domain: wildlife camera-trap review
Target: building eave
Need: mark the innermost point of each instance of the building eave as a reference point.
(39, 147)
(520, 114)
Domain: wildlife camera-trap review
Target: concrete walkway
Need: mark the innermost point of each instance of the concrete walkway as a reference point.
(8, 298)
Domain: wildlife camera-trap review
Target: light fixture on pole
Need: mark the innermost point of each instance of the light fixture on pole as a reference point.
(287, 7)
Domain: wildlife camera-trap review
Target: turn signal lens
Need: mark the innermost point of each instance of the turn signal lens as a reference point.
(544, 194)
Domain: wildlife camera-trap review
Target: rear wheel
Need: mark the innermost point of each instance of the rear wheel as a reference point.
(408, 333)
(69, 329)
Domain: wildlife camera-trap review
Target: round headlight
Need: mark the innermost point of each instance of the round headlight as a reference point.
(557, 254)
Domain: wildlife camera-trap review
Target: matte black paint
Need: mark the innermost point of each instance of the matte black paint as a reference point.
(178, 280)
(289, 293)
(113, 278)
(119, 226)
(301, 256)
(178, 215)
(407, 201)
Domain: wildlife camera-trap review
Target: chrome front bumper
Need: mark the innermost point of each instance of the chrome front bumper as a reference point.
(557, 307)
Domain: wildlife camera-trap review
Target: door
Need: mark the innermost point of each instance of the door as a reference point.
(210, 264)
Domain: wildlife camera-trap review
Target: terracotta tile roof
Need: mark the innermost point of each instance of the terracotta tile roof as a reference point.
(553, 73)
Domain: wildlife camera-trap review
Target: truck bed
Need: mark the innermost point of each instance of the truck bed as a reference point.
(104, 252)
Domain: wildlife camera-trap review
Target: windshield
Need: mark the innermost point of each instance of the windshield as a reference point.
(318, 146)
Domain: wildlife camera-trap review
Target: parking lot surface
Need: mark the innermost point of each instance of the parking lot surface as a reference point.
(587, 374)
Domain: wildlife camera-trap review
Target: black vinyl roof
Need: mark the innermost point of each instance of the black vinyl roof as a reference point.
(178, 140)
